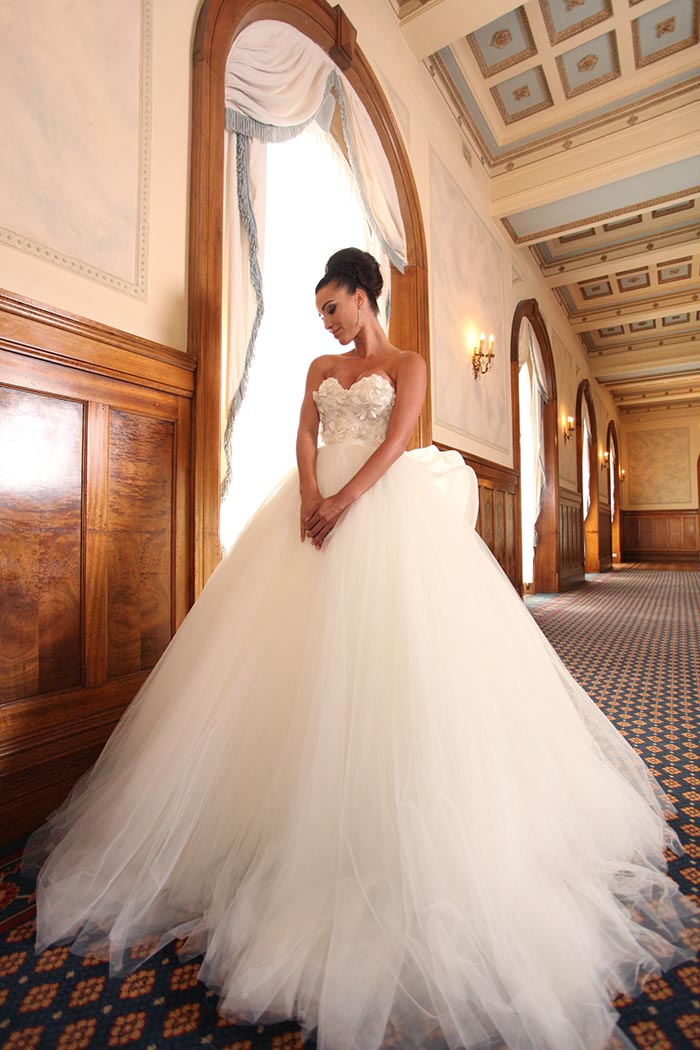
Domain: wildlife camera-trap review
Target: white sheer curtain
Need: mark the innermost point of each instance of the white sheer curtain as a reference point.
(612, 471)
(532, 391)
(586, 460)
(327, 212)
(278, 82)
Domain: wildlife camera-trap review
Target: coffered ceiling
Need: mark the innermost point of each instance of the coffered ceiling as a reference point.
(585, 115)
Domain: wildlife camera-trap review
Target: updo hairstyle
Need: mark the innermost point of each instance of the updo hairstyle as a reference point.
(352, 269)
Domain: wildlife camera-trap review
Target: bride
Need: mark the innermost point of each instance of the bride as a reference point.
(359, 782)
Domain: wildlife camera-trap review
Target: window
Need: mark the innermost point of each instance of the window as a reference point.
(312, 208)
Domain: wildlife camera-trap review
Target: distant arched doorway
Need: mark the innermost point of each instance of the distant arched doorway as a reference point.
(527, 318)
(587, 473)
(613, 450)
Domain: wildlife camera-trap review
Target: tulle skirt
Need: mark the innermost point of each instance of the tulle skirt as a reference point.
(363, 785)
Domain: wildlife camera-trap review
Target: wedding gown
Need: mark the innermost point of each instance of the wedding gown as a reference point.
(361, 782)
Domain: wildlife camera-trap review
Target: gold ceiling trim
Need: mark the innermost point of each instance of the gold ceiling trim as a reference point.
(664, 303)
(437, 70)
(527, 52)
(607, 252)
(642, 272)
(661, 213)
(610, 227)
(653, 341)
(596, 220)
(641, 60)
(464, 118)
(511, 118)
(612, 74)
(631, 410)
(578, 27)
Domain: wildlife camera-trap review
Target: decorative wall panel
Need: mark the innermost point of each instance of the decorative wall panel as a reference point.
(571, 554)
(41, 467)
(605, 557)
(80, 135)
(139, 541)
(467, 298)
(658, 465)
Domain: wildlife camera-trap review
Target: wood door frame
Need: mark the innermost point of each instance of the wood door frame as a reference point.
(546, 565)
(616, 538)
(219, 22)
(591, 523)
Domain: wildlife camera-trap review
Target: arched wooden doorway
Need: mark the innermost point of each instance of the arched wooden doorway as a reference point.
(546, 566)
(613, 449)
(219, 23)
(590, 522)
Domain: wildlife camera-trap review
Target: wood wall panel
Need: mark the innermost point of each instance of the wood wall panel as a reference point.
(661, 535)
(41, 465)
(605, 558)
(139, 541)
(571, 556)
(96, 530)
(499, 513)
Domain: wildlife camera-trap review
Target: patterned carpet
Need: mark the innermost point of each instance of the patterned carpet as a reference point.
(630, 637)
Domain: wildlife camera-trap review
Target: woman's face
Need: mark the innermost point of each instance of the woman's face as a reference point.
(340, 311)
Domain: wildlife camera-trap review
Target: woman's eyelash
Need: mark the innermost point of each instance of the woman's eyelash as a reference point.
(331, 310)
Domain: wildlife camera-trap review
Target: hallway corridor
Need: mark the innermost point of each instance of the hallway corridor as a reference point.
(632, 639)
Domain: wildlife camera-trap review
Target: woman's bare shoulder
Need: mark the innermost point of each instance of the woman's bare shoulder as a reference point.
(325, 362)
(409, 362)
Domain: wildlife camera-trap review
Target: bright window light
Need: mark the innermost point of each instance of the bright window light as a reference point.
(312, 209)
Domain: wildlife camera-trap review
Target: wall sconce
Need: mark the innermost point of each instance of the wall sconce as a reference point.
(482, 361)
(569, 429)
(623, 474)
(605, 460)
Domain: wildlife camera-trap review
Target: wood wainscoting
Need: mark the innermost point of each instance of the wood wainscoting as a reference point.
(661, 535)
(571, 556)
(499, 512)
(605, 547)
(95, 512)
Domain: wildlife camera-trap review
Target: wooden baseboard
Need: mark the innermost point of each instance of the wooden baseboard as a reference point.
(691, 557)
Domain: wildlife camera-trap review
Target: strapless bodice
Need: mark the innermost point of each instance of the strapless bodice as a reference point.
(359, 413)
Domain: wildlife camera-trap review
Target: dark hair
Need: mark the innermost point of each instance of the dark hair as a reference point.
(353, 269)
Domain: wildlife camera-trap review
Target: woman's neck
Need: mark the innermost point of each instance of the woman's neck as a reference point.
(370, 340)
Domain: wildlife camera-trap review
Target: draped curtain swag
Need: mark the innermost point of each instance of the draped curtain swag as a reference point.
(277, 82)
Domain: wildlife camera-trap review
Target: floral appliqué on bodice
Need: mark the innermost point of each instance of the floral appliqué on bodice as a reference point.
(361, 413)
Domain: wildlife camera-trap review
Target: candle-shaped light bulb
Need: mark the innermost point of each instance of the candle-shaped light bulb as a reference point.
(491, 345)
(570, 421)
(482, 340)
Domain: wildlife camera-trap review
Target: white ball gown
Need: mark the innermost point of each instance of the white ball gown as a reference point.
(364, 786)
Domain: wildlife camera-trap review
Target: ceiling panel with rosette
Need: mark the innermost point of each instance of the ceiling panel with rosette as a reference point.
(585, 115)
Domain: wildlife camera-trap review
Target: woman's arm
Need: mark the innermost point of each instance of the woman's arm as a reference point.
(307, 441)
(411, 381)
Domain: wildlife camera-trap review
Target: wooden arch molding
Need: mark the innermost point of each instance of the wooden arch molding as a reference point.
(546, 565)
(219, 22)
(616, 539)
(591, 523)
